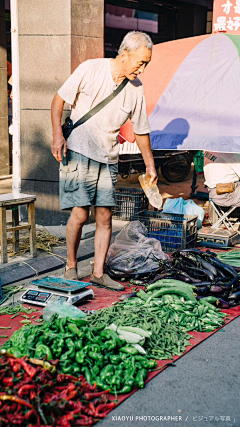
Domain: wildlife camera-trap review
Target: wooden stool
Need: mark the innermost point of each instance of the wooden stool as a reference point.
(9, 201)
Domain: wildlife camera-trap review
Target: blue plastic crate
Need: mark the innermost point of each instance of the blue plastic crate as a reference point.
(174, 231)
(129, 201)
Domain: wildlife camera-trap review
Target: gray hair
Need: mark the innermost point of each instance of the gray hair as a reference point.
(133, 40)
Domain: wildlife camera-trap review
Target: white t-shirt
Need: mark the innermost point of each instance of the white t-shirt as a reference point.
(221, 168)
(90, 84)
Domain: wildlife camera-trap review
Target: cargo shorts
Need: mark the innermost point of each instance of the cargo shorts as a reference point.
(86, 182)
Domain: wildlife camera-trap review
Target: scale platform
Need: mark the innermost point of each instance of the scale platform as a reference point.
(56, 288)
(217, 237)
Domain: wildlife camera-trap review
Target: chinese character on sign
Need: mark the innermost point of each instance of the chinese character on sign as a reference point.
(227, 7)
(230, 24)
(221, 23)
(222, 418)
(237, 7)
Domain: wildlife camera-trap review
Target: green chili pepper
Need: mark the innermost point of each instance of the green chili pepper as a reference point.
(74, 329)
(100, 384)
(80, 357)
(95, 371)
(114, 359)
(95, 348)
(42, 350)
(87, 375)
(125, 389)
(57, 347)
(97, 357)
(71, 352)
(140, 378)
(110, 345)
(106, 372)
(128, 349)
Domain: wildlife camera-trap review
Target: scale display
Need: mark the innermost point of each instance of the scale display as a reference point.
(56, 289)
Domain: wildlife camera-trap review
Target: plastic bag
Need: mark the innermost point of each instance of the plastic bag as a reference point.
(132, 254)
(63, 309)
(184, 207)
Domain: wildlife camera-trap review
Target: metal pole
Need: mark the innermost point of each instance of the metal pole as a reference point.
(16, 185)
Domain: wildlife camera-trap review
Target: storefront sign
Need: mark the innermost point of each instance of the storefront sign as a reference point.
(226, 16)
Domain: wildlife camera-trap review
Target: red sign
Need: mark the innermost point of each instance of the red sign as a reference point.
(226, 16)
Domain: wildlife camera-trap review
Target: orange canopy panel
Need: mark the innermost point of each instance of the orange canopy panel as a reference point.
(166, 59)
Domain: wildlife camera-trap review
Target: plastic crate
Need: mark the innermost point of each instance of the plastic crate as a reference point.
(129, 201)
(175, 231)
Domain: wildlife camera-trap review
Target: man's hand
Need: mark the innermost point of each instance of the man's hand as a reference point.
(143, 142)
(153, 174)
(58, 145)
(59, 142)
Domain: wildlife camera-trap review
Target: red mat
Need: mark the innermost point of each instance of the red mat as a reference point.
(104, 298)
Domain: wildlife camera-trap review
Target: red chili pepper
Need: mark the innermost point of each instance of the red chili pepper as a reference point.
(97, 394)
(25, 388)
(19, 385)
(16, 367)
(8, 381)
(28, 414)
(33, 395)
(64, 377)
(27, 368)
(104, 409)
(83, 420)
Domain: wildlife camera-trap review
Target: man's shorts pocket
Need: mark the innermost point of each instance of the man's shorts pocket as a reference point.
(69, 177)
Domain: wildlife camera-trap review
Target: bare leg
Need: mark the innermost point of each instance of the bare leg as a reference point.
(75, 224)
(103, 216)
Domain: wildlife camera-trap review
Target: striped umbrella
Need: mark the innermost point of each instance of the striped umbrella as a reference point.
(192, 89)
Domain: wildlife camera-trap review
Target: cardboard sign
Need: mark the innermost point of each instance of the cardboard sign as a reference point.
(226, 16)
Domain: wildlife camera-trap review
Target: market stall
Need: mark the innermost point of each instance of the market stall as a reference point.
(86, 365)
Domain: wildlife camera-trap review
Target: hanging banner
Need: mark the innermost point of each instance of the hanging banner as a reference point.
(226, 16)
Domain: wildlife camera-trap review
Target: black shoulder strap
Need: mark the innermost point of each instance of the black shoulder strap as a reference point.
(102, 104)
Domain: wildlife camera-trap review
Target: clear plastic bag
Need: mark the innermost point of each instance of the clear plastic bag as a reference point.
(133, 254)
(63, 309)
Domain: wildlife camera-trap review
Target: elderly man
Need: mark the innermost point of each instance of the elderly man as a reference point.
(90, 176)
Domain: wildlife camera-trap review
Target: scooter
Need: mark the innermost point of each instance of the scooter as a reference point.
(175, 165)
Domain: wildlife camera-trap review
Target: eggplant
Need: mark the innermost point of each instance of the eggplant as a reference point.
(207, 266)
(159, 277)
(202, 271)
(234, 297)
(221, 303)
(216, 289)
(227, 269)
(125, 296)
(233, 303)
(203, 291)
(205, 283)
(226, 285)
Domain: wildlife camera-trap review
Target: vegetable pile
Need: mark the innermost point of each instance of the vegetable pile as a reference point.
(31, 394)
(206, 271)
(100, 354)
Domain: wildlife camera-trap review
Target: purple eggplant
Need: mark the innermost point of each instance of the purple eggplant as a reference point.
(226, 285)
(203, 291)
(125, 296)
(216, 289)
(202, 284)
(207, 266)
(221, 303)
(234, 297)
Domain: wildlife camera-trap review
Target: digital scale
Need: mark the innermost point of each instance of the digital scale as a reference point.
(217, 237)
(55, 289)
